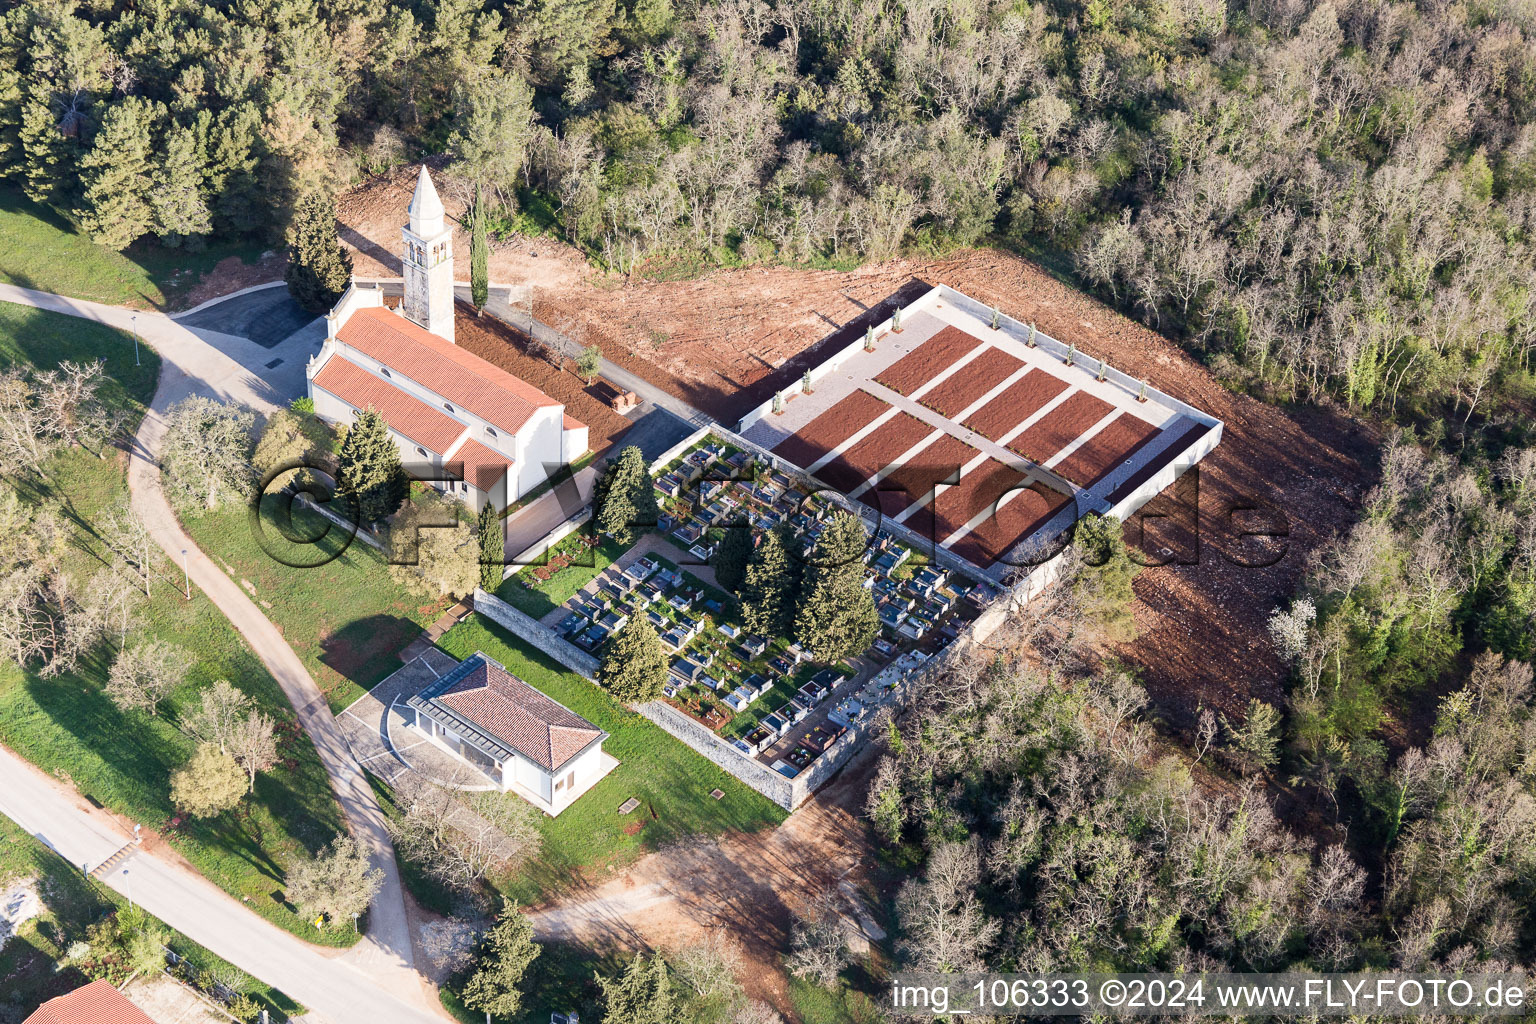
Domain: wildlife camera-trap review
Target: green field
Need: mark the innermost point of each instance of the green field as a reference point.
(347, 618)
(539, 597)
(671, 781)
(67, 726)
(41, 249)
(33, 967)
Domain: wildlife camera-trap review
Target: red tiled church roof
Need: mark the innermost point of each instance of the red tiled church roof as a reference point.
(483, 467)
(460, 377)
(436, 431)
(96, 1003)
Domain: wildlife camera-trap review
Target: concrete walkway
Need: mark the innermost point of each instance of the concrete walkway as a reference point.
(225, 367)
(335, 990)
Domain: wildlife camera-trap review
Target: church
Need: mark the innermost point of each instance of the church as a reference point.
(470, 428)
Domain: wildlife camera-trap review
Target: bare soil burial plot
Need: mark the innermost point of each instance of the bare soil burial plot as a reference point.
(927, 361)
(915, 479)
(1022, 514)
(1060, 427)
(955, 506)
(1109, 448)
(963, 387)
(1018, 402)
(866, 458)
(831, 428)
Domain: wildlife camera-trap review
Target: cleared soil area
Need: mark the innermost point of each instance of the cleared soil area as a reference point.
(961, 389)
(955, 506)
(915, 479)
(869, 456)
(1061, 426)
(1018, 402)
(1017, 518)
(496, 343)
(831, 428)
(1123, 437)
(927, 361)
(723, 341)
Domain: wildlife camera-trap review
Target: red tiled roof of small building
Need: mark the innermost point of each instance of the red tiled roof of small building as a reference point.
(436, 431)
(96, 1003)
(513, 712)
(462, 378)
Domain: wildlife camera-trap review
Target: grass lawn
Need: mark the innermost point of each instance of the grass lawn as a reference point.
(67, 726)
(671, 781)
(543, 597)
(40, 249)
(346, 618)
(30, 962)
(845, 1005)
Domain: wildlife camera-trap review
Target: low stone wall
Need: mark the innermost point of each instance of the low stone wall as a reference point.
(536, 633)
(754, 773)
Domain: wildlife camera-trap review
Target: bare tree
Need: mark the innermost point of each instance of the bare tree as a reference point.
(253, 745)
(337, 883)
(818, 944)
(69, 397)
(461, 844)
(218, 716)
(709, 967)
(143, 676)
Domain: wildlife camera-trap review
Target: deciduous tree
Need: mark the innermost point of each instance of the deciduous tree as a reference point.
(205, 457)
(207, 785)
(143, 676)
(337, 883)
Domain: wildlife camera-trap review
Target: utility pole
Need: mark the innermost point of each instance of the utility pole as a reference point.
(186, 574)
(134, 320)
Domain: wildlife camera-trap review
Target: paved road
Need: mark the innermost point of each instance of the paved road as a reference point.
(233, 369)
(335, 990)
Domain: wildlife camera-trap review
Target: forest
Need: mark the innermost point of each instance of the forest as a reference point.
(1327, 199)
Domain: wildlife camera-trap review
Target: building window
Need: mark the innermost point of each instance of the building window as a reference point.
(423, 453)
(385, 371)
(559, 785)
(463, 487)
(448, 407)
(491, 431)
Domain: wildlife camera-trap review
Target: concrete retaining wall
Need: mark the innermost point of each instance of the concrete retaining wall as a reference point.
(750, 771)
(536, 633)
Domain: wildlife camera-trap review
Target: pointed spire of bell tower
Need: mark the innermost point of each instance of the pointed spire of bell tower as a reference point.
(428, 260)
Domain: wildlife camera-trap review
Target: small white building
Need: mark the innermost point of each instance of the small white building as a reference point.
(522, 740)
(484, 433)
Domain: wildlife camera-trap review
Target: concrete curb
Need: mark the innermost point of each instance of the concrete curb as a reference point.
(221, 298)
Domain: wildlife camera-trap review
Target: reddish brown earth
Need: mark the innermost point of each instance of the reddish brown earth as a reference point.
(955, 506)
(1060, 427)
(927, 361)
(831, 428)
(915, 479)
(1014, 520)
(1018, 402)
(963, 387)
(1109, 448)
(848, 469)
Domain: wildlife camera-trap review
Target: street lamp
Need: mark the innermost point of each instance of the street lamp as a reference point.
(186, 574)
(134, 320)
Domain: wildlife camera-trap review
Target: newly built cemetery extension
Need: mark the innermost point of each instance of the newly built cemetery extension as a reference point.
(979, 435)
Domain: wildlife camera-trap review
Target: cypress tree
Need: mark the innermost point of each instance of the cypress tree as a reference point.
(635, 666)
(626, 497)
(493, 552)
(768, 586)
(641, 995)
(836, 617)
(115, 176)
(318, 267)
(479, 256)
(505, 954)
(731, 560)
(369, 467)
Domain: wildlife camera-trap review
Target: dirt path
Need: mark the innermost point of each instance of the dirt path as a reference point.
(746, 886)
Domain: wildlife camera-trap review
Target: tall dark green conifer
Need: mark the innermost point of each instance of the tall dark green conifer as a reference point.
(493, 552)
(769, 584)
(625, 501)
(730, 562)
(479, 256)
(115, 175)
(318, 267)
(641, 995)
(507, 950)
(836, 616)
(634, 666)
(369, 467)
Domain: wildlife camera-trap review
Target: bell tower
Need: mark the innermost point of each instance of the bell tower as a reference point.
(428, 261)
